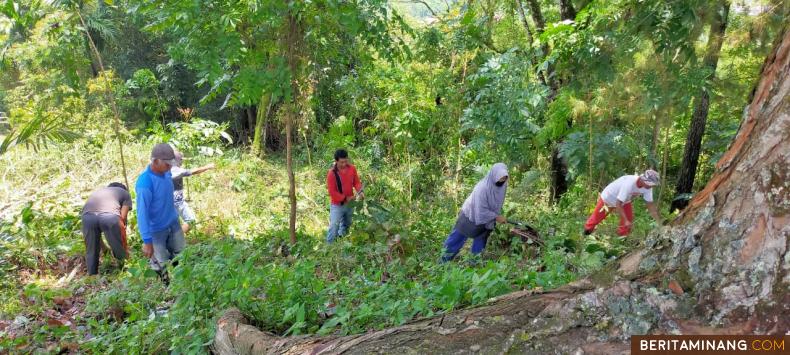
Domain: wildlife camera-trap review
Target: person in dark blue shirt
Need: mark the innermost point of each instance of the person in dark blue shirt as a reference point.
(157, 218)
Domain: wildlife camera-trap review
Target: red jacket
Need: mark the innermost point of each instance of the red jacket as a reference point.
(348, 178)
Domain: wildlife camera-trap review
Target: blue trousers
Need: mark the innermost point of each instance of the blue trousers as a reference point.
(455, 241)
(339, 221)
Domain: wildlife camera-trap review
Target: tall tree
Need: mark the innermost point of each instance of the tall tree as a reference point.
(76, 8)
(251, 52)
(293, 45)
(558, 168)
(691, 152)
(98, 29)
(56, 61)
(696, 276)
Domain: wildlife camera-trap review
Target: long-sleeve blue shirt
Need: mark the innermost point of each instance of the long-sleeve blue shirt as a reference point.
(155, 209)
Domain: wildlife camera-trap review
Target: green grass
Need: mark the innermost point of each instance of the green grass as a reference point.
(238, 254)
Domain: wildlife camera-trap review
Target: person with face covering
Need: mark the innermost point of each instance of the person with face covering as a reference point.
(479, 214)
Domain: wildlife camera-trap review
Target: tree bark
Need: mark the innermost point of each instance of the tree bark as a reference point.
(722, 267)
(524, 22)
(559, 168)
(653, 156)
(688, 167)
(537, 16)
(91, 60)
(559, 174)
(567, 12)
(248, 129)
(540, 26)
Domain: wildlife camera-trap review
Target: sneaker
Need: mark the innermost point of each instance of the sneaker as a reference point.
(587, 232)
(164, 276)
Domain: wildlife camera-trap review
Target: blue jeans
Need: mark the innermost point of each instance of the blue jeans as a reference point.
(339, 221)
(455, 241)
(167, 244)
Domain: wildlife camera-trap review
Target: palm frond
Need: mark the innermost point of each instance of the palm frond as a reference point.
(40, 131)
(100, 23)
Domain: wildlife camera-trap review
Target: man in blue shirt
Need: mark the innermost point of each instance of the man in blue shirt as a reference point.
(157, 219)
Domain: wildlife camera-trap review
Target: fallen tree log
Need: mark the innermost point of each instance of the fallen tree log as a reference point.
(722, 267)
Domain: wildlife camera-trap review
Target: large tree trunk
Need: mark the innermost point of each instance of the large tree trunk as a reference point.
(688, 168)
(721, 267)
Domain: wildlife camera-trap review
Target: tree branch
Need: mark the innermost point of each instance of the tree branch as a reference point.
(520, 8)
(430, 9)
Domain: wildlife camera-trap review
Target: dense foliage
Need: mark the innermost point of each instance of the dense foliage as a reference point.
(426, 95)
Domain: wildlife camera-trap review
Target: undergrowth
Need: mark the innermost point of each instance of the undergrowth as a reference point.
(238, 256)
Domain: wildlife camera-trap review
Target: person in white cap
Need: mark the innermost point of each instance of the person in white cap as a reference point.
(617, 197)
(178, 173)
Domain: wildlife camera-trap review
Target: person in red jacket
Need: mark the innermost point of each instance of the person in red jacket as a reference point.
(342, 181)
